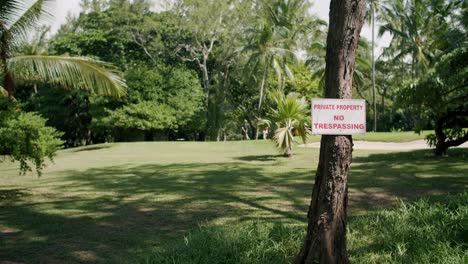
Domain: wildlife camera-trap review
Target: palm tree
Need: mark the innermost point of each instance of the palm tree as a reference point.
(416, 27)
(290, 118)
(266, 49)
(373, 7)
(16, 18)
(273, 42)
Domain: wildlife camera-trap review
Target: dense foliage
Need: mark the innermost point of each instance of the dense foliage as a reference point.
(201, 70)
(23, 135)
(440, 99)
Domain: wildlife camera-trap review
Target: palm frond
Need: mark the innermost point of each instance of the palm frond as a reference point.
(318, 45)
(277, 69)
(9, 9)
(290, 117)
(262, 122)
(68, 72)
(289, 72)
(30, 18)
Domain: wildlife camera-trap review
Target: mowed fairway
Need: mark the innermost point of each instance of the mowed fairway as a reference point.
(116, 203)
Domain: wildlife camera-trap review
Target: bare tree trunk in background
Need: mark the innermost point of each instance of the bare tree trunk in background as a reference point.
(260, 101)
(325, 240)
(373, 67)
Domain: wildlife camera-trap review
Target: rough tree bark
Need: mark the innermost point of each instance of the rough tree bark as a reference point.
(325, 240)
(5, 39)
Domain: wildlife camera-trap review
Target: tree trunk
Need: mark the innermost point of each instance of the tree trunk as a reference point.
(384, 94)
(288, 152)
(206, 81)
(5, 39)
(325, 240)
(443, 143)
(262, 90)
(373, 67)
(440, 148)
(260, 101)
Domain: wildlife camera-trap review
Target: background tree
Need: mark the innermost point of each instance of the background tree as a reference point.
(273, 43)
(418, 29)
(325, 240)
(164, 98)
(441, 99)
(373, 9)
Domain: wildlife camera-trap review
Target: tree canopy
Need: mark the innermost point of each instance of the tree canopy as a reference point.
(440, 99)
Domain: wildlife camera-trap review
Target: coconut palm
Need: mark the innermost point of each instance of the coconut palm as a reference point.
(267, 49)
(373, 6)
(417, 27)
(16, 19)
(290, 118)
(274, 41)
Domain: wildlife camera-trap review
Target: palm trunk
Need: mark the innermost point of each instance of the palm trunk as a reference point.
(260, 101)
(384, 94)
(203, 65)
(262, 90)
(325, 240)
(4, 55)
(373, 67)
(288, 152)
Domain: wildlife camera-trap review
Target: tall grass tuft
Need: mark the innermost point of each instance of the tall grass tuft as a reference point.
(418, 232)
(250, 242)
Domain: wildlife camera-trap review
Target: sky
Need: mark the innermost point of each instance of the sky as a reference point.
(61, 8)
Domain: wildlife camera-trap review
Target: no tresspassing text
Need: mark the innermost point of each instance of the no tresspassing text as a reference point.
(338, 126)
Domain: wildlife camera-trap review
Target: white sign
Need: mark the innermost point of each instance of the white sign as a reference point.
(338, 116)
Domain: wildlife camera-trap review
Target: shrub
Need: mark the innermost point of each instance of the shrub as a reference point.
(25, 138)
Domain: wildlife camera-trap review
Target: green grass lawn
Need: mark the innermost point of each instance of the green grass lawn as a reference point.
(118, 203)
(405, 136)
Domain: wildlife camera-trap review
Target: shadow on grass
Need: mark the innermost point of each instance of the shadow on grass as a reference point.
(112, 215)
(260, 158)
(380, 179)
(92, 147)
(12, 194)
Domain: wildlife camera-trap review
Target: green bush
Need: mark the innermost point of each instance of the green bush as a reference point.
(418, 232)
(25, 138)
